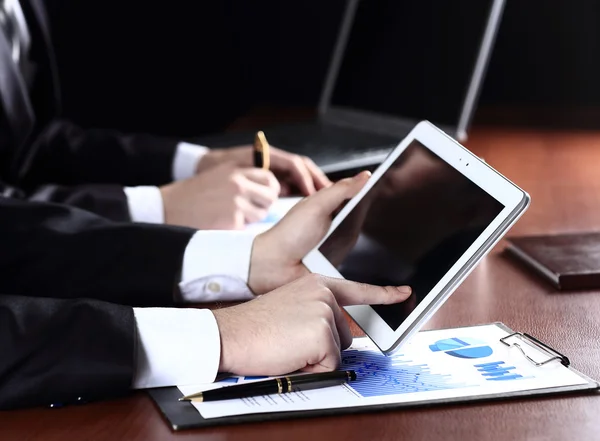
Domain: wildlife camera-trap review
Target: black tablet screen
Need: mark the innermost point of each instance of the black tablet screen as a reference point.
(410, 228)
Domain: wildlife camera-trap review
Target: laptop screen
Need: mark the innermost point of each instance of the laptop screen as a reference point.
(411, 59)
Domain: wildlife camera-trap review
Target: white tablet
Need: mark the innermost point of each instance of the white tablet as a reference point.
(425, 218)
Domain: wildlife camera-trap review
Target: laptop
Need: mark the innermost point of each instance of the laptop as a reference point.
(395, 63)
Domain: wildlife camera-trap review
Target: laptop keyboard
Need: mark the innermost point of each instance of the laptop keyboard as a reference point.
(331, 147)
(327, 143)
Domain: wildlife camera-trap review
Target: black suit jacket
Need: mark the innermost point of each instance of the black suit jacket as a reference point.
(56, 343)
(57, 351)
(57, 251)
(43, 157)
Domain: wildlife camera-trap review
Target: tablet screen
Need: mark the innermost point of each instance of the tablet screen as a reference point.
(410, 228)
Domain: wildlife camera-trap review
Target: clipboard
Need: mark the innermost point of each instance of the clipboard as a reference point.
(183, 415)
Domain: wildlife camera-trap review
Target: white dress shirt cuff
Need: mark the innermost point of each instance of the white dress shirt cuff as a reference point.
(216, 266)
(187, 157)
(176, 347)
(145, 204)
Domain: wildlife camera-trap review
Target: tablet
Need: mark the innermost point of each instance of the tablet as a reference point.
(425, 218)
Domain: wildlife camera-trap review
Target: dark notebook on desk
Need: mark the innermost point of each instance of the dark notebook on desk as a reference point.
(568, 261)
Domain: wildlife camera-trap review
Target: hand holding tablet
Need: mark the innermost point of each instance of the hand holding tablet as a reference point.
(425, 218)
(277, 253)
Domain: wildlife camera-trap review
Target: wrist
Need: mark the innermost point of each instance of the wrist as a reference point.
(212, 158)
(268, 268)
(258, 255)
(165, 192)
(229, 349)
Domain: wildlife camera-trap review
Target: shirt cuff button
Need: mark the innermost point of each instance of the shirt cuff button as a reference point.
(214, 287)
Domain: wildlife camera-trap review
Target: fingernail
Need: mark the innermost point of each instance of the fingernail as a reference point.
(362, 175)
(405, 290)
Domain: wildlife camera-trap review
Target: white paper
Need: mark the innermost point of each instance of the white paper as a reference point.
(433, 365)
(279, 209)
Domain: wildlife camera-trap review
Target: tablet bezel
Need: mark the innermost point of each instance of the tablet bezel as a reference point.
(514, 200)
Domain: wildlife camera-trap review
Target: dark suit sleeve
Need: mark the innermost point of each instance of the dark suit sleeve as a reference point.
(105, 200)
(66, 154)
(62, 252)
(57, 351)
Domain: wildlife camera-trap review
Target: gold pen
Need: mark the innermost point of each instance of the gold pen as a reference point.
(261, 151)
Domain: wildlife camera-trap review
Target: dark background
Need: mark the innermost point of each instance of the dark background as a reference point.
(191, 67)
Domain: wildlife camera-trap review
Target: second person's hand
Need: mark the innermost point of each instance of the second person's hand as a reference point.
(223, 198)
(295, 173)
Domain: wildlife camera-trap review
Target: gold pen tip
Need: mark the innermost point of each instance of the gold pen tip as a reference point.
(196, 397)
(262, 139)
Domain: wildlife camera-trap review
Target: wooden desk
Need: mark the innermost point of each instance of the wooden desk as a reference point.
(561, 171)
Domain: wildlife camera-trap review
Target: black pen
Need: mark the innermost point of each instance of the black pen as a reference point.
(274, 386)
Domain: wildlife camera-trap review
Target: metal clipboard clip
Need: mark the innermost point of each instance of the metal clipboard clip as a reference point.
(552, 354)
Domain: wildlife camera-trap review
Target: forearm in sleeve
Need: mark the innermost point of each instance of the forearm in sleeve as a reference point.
(58, 251)
(66, 154)
(64, 351)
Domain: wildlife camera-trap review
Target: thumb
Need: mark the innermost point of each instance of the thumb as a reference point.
(347, 292)
(327, 200)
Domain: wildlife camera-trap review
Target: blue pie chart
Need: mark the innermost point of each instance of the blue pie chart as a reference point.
(463, 347)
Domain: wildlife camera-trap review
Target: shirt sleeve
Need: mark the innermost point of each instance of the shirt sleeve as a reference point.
(186, 159)
(175, 347)
(216, 265)
(145, 204)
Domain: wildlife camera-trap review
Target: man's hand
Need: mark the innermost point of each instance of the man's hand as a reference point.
(277, 253)
(295, 173)
(223, 198)
(299, 326)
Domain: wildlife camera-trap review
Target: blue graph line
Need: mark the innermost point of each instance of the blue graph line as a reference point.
(496, 372)
(236, 379)
(378, 375)
(493, 363)
(506, 377)
(229, 380)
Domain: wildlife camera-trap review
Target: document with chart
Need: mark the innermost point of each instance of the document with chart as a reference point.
(449, 365)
